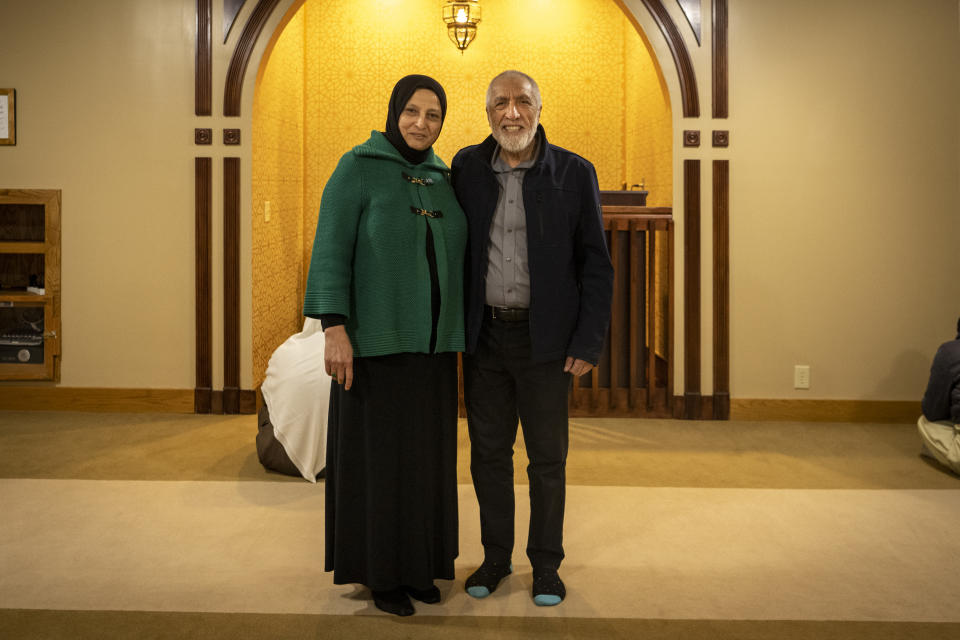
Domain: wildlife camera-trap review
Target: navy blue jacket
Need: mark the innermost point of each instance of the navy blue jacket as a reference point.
(941, 401)
(571, 277)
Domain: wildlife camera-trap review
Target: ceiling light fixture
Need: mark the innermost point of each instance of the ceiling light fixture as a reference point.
(462, 18)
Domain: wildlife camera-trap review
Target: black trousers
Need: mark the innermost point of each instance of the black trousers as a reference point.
(502, 384)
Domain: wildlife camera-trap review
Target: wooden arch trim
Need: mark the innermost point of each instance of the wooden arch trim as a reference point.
(233, 91)
(681, 57)
(720, 64)
(231, 8)
(691, 9)
(203, 81)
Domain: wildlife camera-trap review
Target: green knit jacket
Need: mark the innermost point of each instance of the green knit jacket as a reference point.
(370, 258)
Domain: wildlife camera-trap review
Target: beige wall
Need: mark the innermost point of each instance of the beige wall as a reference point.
(845, 196)
(105, 113)
(845, 166)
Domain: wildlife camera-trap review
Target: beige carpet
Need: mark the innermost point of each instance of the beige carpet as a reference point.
(159, 526)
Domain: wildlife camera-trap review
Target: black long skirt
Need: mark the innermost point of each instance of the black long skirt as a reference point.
(391, 487)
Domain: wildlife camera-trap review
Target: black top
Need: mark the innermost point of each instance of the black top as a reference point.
(942, 398)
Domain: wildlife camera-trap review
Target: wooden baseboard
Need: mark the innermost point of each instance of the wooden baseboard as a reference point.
(53, 398)
(824, 410)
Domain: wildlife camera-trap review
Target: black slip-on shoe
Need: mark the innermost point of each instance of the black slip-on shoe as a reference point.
(394, 601)
(427, 596)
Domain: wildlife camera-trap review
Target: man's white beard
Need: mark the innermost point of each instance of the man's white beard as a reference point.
(515, 143)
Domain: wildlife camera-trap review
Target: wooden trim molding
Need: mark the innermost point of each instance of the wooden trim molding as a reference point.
(52, 398)
(721, 289)
(230, 10)
(247, 401)
(691, 10)
(233, 90)
(720, 62)
(231, 285)
(109, 400)
(691, 289)
(701, 410)
(721, 138)
(203, 92)
(825, 410)
(203, 188)
(688, 79)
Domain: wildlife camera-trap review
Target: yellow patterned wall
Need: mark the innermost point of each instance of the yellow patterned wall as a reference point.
(278, 180)
(648, 147)
(603, 98)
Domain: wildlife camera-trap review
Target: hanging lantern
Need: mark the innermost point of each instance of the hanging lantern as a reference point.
(462, 18)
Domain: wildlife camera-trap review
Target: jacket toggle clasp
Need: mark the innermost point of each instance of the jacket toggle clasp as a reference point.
(426, 212)
(426, 182)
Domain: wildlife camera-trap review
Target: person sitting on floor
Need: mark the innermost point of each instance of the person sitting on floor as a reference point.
(939, 425)
(292, 434)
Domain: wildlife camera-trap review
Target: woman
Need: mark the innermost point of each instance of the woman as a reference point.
(386, 281)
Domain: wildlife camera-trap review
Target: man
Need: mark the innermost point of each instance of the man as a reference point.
(939, 425)
(538, 287)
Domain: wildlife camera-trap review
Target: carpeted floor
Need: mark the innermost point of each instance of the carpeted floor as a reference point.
(160, 526)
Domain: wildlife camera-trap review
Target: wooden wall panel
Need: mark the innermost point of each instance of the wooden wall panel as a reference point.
(721, 289)
(231, 285)
(691, 288)
(203, 90)
(203, 188)
(720, 66)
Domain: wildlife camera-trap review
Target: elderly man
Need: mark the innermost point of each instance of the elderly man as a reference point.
(538, 287)
(939, 425)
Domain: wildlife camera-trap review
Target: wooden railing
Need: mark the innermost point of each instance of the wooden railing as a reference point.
(634, 376)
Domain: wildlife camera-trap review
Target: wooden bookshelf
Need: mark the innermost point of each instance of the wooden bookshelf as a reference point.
(29, 284)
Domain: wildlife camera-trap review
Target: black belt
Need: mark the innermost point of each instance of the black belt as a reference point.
(506, 314)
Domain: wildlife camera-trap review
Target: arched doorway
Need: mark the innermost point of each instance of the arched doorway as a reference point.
(319, 93)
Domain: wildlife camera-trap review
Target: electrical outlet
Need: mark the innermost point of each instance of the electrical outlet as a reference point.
(801, 376)
(266, 211)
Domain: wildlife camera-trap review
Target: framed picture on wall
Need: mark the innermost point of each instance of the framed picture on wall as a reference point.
(8, 121)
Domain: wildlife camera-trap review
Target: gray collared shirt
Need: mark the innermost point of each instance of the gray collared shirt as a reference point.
(508, 274)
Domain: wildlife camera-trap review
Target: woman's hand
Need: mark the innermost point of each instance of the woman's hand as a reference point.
(338, 356)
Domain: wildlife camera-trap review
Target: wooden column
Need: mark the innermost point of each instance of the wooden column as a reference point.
(691, 289)
(721, 289)
(231, 285)
(202, 275)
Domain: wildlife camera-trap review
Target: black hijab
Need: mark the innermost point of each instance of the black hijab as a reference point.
(402, 93)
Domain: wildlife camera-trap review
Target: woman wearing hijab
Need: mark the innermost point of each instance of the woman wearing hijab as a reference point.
(386, 281)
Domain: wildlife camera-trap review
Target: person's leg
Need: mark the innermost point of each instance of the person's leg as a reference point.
(271, 453)
(542, 391)
(492, 422)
